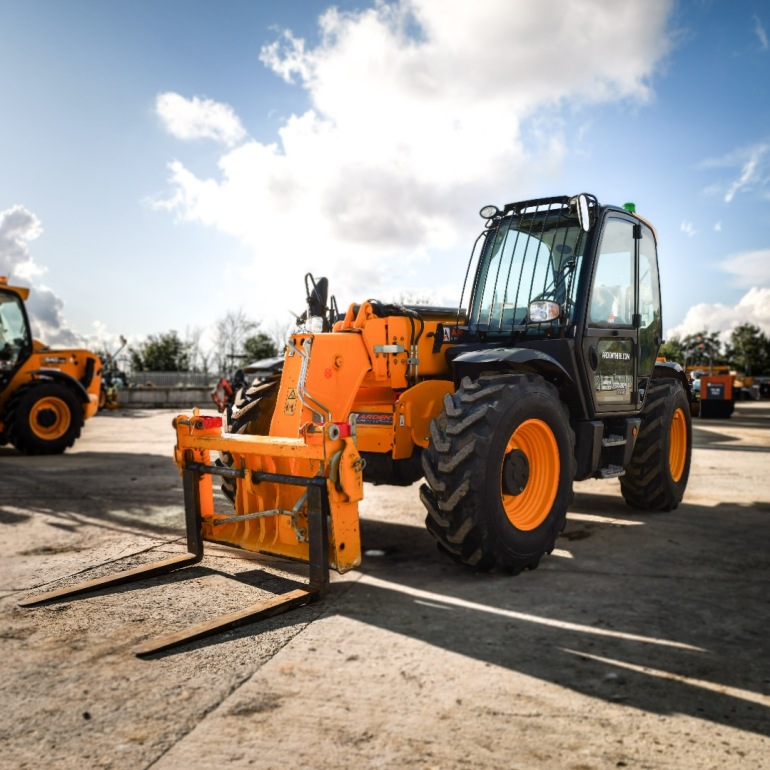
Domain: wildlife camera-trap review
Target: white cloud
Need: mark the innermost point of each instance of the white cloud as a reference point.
(104, 342)
(749, 268)
(46, 314)
(761, 33)
(717, 227)
(687, 228)
(752, 165)
(752, 308)
(750, 173)
(415, 114)
(287, 57)
(19, 226)
(198, 118)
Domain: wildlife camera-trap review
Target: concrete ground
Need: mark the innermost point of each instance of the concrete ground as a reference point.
(642, 642)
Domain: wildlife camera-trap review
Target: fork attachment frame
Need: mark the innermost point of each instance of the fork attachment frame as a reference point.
(318, 514)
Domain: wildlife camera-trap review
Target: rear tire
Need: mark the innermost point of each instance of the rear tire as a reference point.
(251, 413)
(499, 471)
(656, 478)
(44, 419)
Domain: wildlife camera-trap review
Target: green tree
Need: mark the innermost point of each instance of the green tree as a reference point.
(748, 350)
(161, 353)
(259, 346)
(703, 349)
(672, 350)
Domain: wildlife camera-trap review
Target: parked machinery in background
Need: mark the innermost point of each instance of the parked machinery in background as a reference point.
(46, 394)
(113, 379)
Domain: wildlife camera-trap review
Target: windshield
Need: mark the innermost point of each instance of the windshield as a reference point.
(14, 336)
(533, 256)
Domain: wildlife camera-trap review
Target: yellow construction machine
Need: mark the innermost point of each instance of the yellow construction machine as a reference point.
(45, 394)
(545, 375)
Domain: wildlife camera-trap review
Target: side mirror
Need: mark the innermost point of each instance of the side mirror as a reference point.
(584, 215)
(317, 296)
(541, 311)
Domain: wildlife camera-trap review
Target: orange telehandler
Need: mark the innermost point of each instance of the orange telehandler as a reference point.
(546, 375)
(45, 394)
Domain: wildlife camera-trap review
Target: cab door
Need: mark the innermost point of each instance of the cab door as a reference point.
(623, 326)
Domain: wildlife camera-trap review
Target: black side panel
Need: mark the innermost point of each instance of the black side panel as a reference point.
(88, 377)
(381, 468)
(588, 448)
(472, 363)
(553, 359)
(670, 369)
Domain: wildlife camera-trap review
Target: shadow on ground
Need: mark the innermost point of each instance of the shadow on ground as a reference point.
(655, 612)
(109, 490)
(665, 613)
(660, 616)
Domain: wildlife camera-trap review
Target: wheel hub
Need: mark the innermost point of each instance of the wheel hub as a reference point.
(515, 472)
(677, 452)
(530, 474)
(46, 418)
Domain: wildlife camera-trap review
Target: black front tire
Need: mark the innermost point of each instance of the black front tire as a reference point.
(499, 471)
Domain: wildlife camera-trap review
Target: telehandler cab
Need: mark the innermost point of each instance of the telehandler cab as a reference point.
(546, 376)
(45, 393)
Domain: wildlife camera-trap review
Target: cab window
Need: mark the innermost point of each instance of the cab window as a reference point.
(612, 293)
(13, 331)
(650, 327)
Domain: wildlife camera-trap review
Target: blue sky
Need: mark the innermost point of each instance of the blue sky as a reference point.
(165, 162)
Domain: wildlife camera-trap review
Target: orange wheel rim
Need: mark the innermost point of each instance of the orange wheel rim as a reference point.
(49, 418)
(533, 441)
(677, 445)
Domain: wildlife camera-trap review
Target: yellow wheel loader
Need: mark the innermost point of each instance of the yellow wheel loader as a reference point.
(45, 394)
(545, 375)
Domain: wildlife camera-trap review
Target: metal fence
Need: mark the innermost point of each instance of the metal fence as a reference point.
(174, 379)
